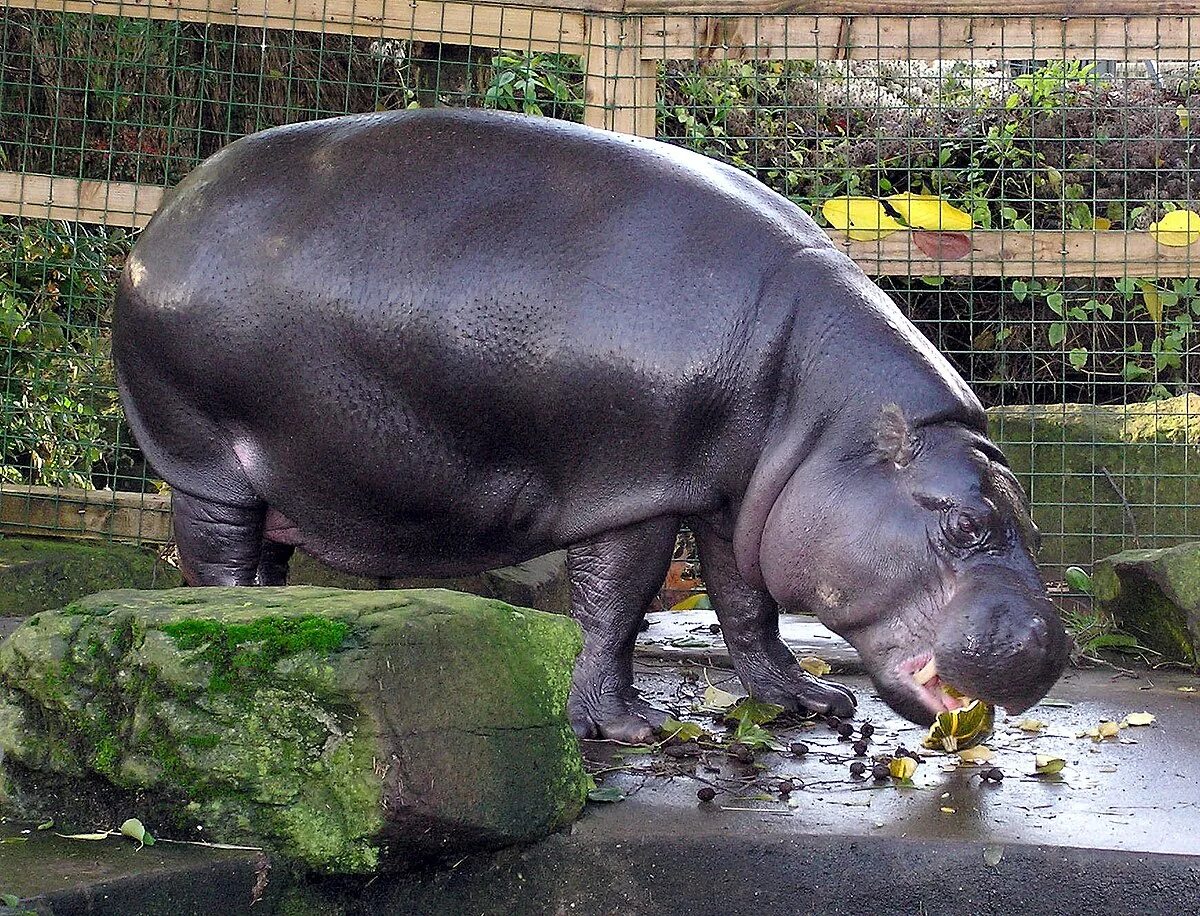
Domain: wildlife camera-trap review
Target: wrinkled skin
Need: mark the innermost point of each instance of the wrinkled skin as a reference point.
(432, 343)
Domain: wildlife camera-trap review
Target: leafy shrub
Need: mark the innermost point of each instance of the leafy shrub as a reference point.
(61, 419)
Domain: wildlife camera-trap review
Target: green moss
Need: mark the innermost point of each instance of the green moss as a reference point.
(241, 653)
(108, 754)
(1155, 596)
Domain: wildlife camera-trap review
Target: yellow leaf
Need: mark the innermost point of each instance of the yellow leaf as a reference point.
(980, 753)
(862, 218)
(1102, 224)
(815, 665)
(927, 211)
(946, 810)
(717, 699)
(1178, 229)
(1152, 299)
(1031, 725)
(902, 767)
(1186, 689)
(1185, 117)
(1139, 718)
(1108, 729)
(1047, 766)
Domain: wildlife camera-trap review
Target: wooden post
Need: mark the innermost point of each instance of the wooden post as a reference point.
(620, 88)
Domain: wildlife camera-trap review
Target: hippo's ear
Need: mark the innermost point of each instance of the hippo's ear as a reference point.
(893, 436)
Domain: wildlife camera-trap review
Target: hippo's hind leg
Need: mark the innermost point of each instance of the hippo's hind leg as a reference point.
(218, 544)
(613, 580)
(273, 563)
(750, 623)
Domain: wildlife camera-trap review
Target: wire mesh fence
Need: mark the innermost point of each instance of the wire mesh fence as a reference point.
(1021, 184)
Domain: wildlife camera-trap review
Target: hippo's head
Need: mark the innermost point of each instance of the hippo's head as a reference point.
(917, 547)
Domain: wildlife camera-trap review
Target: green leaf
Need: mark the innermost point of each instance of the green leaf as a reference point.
(606, 794)
(1020, 290)
(1055, 303)
(1078, 357)
(10, 899)
(684, 731)
(755, 737)
(754, 712)
(134, 829)
(718, 700)
(1079, 580)
(1057, 333)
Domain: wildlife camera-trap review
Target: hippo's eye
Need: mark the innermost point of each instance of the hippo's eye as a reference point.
(966, 530)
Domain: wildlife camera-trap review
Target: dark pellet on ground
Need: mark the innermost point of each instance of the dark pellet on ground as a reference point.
(867, 730)
(706, 793)
(846, 729)
(833, 722)
(881, 771)
(799, 749)
(714, 628)
(995, 774)
(786, 788)
(859, 748)
(858, 769)
(741, 752)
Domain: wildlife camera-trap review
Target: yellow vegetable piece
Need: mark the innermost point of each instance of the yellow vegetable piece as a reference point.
(815, 665)
(691, 602)
(1031, 725)
(1109, 729)
(960, 729)
(1177, 229)
(862, 218)
(1047, 766)
(902, 767)
(1185, 117)
(927, 211)
(946, 810)
(1139, 718)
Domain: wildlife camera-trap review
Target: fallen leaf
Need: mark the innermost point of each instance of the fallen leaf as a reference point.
(1186, 689)
(980, 753)
(606, 794)
(10, 899)
(862, 218)
(1139, 718)
(1031, 725)
(928, 211)
(1185, 116)
(1102, 224)
(902, 767)
(1048, 766)
(1177, 229)
(753, 712)
(815, 665)
(134, 829)
(946, 810)
(992, 855)
(684, 731)
(1109, 729)
(85, 836)
(718, 700)
(46, 825)
(943, 246)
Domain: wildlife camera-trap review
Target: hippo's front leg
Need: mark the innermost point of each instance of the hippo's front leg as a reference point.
(613, 580)
(750, 623)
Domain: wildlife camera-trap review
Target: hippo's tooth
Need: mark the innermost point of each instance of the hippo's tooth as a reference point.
(927, 673)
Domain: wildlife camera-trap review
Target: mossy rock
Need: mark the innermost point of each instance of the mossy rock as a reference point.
(539, 583)
(349, 731)
(1100, 477)
(40, 575)
(1155, 596)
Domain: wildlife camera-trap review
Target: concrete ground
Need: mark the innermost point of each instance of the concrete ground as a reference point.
(1117, 831)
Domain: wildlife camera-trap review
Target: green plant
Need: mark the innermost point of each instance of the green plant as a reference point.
(536, 84)
(60, 415)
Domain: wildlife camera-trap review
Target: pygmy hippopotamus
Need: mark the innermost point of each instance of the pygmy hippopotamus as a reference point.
(437, 342)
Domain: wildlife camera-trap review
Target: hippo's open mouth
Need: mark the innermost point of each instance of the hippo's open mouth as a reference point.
(920, 673)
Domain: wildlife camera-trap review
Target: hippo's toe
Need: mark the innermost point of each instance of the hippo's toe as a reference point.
(625, 718)
(798, 691)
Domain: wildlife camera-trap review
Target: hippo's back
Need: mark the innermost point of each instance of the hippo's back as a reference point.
(453, 312)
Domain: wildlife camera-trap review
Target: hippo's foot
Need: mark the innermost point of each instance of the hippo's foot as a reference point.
(617, 715)
(796, 690)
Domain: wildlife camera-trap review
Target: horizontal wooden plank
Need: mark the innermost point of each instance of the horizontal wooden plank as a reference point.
(93, 514)
(921, 38)
(1051, 9)
(479, 24)
(112, 203)
(994, 253)
(1001, 253)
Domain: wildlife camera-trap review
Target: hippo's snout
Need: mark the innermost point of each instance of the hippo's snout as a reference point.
(1002, 641)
